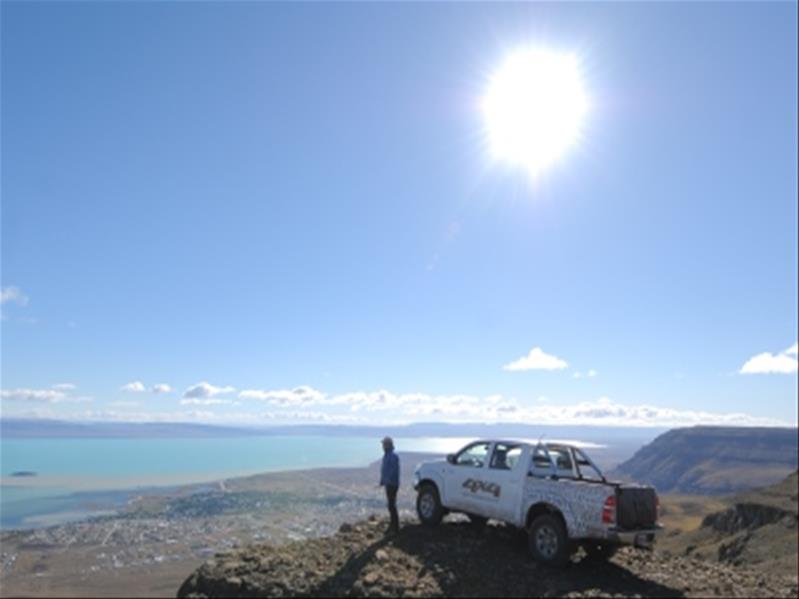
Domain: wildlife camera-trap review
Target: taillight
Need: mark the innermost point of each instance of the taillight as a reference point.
(609, 510)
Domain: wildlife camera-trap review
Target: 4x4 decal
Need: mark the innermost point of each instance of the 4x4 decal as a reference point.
(475, 485)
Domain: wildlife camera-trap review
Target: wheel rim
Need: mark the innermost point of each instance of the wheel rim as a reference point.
(546, 542)
(427, 505)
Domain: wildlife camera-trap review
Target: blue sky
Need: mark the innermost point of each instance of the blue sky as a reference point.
(287, 212)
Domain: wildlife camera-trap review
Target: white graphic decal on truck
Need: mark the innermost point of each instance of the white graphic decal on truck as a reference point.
(475, 485)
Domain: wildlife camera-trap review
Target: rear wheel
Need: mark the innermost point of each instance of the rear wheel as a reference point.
(428, 505)
(600, 552)
(548, 541)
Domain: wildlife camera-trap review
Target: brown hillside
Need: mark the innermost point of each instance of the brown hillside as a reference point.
(460, 560)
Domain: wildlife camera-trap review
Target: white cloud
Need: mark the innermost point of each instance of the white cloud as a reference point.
(591, 373)
(536, 360)
(134, 387)
(208, 401)
(65, 387)
(139, 387)
(302, 395)
(768, 363)
(37, 395)
(41, 396)
(13, 294)
(202, 390)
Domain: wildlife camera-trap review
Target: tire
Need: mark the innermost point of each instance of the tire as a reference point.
(600, 552)
(477, 520)
(428, 505)
(548, 541)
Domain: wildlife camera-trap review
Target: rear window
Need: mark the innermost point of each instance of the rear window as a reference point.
(561, 456)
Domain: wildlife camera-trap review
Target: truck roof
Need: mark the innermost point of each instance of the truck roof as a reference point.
(528, 442)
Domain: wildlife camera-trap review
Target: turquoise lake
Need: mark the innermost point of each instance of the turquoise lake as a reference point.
(71, 474)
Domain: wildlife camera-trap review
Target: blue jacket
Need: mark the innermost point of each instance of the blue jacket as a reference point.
(389, 471)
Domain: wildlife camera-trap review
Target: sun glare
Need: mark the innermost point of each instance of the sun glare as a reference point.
(534, 108)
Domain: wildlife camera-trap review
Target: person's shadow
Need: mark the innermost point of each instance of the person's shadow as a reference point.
(468, 560)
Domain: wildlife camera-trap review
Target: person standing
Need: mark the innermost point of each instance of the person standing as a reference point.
(389, 478)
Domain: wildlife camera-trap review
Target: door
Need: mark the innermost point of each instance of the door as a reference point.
(464, 475)
(505, 474)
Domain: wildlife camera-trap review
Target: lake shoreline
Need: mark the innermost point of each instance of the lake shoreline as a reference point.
(113, 502)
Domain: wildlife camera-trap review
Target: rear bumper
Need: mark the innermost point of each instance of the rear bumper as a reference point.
(644, 538)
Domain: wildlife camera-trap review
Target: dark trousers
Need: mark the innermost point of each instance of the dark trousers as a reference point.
(391, 496)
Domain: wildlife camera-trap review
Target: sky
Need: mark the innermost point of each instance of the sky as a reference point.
(279, 213)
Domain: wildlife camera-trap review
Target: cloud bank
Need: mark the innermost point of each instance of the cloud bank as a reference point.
(386, 406)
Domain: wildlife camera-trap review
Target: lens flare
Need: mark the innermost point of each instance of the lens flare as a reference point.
(534, 108)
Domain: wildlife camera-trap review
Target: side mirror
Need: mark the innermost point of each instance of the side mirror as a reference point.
(451, 458)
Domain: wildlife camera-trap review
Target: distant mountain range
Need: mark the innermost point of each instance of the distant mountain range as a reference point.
(14, 428)
(714, 460)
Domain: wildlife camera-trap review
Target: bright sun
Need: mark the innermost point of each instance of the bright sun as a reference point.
(534, 108)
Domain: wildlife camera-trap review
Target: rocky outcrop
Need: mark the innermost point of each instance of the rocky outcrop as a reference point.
(748, 516)
(759, 529)
(459, 559)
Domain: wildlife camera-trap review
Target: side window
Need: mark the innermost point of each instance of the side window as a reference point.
(474, 455)
(540, 459)
(541, 465)
(505, 456)
(563, 461)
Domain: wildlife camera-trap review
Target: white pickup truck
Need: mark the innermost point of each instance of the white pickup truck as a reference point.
(552, 490)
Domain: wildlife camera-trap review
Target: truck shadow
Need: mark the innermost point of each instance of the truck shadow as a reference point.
(461, 559)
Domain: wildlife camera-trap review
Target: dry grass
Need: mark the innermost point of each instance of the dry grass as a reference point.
(684, 513)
